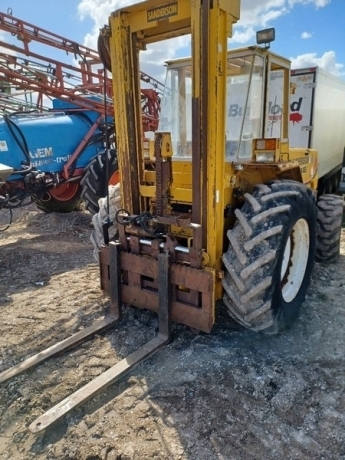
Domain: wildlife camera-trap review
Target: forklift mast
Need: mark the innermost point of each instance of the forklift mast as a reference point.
(210, 25)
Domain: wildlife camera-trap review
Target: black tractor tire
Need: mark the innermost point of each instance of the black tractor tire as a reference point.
(95, 180)
(329, 219)
(50, 204)
(270, 257)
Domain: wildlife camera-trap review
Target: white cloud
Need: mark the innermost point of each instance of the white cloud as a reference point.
(316, 3)
(254, 16)
(243, 35)
(306, 35)
(153, 59)
(262, 14)
(327, 61)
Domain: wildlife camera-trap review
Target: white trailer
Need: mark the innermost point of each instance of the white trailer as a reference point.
(317, 119)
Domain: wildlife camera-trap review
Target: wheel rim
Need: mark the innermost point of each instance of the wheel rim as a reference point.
(295, 260)
(65, 192)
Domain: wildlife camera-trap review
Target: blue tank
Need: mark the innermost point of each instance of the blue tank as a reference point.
(49, 138)
(38, 146)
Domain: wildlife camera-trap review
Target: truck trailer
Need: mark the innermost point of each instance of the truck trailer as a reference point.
(317, 120)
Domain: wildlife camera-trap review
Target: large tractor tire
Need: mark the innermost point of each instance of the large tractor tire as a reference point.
(270, 257)
(330, 217)
(98, 219)
(65, 197)
(95, 181)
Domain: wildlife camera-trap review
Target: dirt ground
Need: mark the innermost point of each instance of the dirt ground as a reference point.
(232, 394)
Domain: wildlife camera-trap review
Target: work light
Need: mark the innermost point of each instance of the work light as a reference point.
(265, 37)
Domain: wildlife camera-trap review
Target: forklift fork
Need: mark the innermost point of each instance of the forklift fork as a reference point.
(120, 369)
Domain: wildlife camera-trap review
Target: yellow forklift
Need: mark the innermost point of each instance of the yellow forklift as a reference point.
(213, 207)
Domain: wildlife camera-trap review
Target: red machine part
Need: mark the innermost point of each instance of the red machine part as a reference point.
(28, 73)
(56, 79)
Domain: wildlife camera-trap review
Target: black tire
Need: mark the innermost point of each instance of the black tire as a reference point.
(276, 217)
(50, 204)
(95, 180)
(330, 217)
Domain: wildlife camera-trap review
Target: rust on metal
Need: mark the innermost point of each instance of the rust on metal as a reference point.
(100, 383)
(155, 245)
(122, 368)
(192, 290)
(170, 245)
(196, 149)
(60, 347)
(122, 234)
(200, 117)
(76, 339)
(180, 220)
(134, 242)
(205, 85)
(115, 280)
(158, 157)
(195, 252)
(164, 295)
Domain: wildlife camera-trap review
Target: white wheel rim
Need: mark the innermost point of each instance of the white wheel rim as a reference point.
(295, 259)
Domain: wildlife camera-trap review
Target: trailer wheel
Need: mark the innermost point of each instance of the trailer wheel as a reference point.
(270, 257)
(330, 217)
(95, 181)
(65, 197)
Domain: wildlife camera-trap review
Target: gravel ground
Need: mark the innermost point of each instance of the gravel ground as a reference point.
(232, 394)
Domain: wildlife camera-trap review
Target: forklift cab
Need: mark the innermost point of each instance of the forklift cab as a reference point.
(256, 98)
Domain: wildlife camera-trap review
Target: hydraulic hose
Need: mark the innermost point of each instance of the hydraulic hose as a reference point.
(22, 144)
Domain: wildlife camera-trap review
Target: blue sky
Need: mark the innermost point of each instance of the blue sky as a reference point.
(309, 32)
